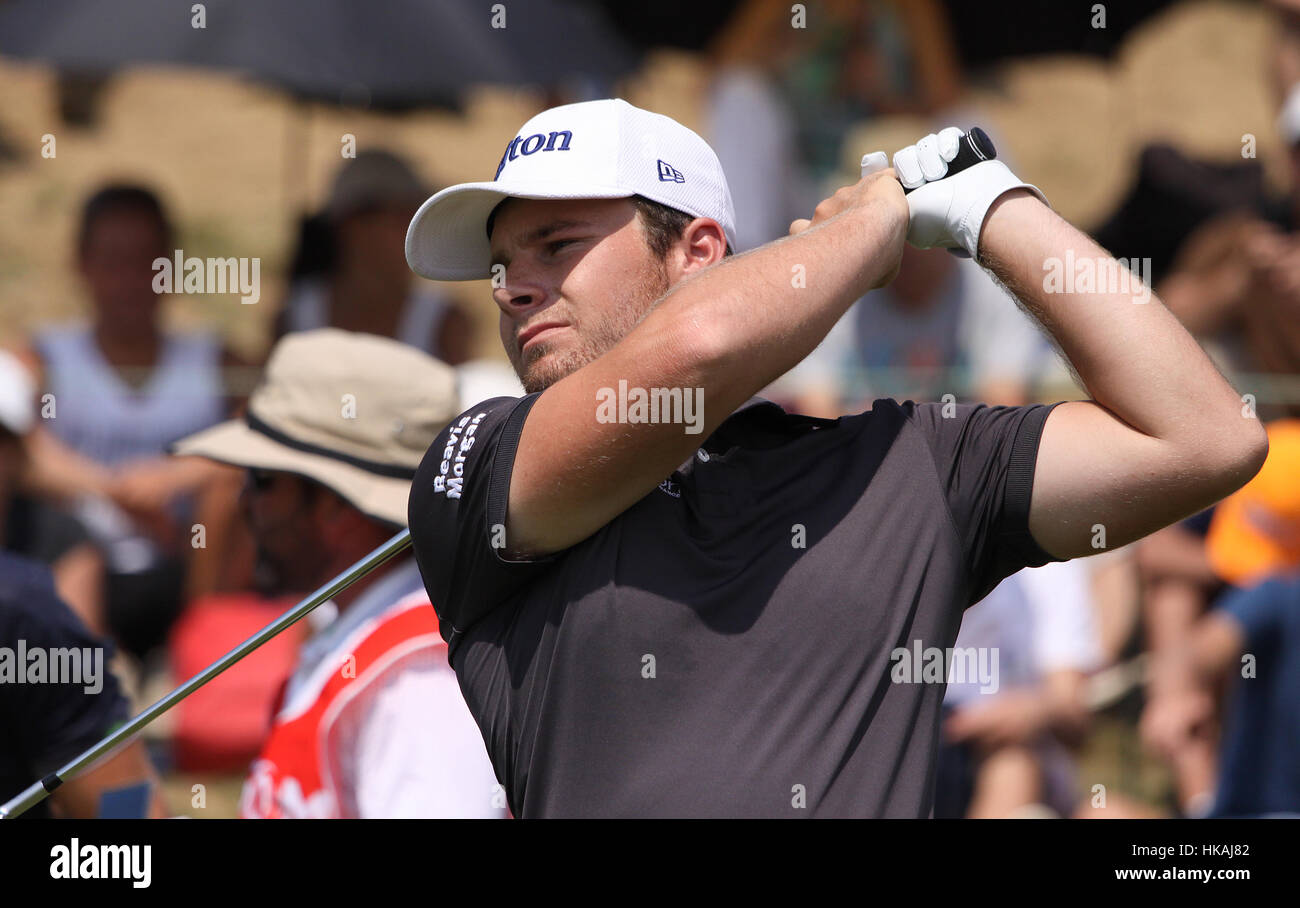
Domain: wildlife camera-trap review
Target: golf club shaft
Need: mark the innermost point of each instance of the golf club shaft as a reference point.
(39, 791)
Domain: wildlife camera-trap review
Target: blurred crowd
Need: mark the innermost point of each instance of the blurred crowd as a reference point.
(1181, 651)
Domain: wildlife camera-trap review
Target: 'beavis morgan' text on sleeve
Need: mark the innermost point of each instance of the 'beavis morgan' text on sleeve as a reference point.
(457, 514)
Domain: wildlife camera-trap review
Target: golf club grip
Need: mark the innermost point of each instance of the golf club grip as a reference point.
(975, 147)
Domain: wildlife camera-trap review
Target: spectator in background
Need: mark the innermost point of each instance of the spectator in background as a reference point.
(121, 389)
(372, 722)
(1236, 281)
(781, 97)
(44, 725)
(35, 528)
(1250, 643)
(751, 126)
(350, 270)
(1250, 536)
(1007, 736)
(869, 60)
(1255, 532)
(943, 326)
(1285, 52)
(1235, 284)
(1177, 584)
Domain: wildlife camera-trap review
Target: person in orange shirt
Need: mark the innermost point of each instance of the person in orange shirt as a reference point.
(1256, 532)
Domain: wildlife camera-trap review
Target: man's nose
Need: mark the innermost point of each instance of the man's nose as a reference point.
(520, 290)
(248, 501)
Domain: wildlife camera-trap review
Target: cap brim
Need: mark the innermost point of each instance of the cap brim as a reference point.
(447, 239)
(234, 443)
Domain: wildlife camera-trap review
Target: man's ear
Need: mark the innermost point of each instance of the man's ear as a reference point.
(703, 243)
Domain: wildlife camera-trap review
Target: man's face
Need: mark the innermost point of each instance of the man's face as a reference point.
(579, 276)
(377, 237)
(117, 264)
(278, 508)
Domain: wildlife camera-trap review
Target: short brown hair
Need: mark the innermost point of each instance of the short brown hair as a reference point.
(663, 225)
(123, 197)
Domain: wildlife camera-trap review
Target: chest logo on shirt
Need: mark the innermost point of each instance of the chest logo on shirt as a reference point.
(451, 472)
(672, 488)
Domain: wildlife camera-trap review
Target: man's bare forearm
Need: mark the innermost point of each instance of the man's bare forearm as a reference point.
(1131, 353)
(57, 470)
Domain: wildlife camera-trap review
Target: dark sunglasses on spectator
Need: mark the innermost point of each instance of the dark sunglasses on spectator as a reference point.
(260, 480)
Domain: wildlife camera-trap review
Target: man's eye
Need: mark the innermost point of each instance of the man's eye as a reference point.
(556, 245)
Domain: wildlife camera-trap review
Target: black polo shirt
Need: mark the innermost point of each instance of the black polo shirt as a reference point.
(730, 644)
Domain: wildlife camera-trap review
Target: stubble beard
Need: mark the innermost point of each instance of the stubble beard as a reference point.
(544, 365)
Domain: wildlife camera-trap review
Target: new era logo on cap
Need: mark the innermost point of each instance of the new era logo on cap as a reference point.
(604, 149)
(670, 174)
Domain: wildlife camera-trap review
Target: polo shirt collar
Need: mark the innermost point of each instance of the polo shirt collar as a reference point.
(754, 401)
(749, 408)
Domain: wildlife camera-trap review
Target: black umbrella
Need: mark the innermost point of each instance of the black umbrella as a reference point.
(983, 33)
(389, 53)
(989, 33)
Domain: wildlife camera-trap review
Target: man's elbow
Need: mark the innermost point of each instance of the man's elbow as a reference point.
(1241, 455)
(1231, 459)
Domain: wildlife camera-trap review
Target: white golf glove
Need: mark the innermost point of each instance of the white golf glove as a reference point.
(949, 210)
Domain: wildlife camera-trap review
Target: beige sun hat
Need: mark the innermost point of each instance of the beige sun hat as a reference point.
(355, 412)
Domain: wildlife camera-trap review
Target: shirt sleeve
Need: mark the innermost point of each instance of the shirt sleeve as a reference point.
(57, 721)
(457, 515)
(1257, 609)
(985, 457)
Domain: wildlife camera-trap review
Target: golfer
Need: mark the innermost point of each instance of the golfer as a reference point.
(724, 609)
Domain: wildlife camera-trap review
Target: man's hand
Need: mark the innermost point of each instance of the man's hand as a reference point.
(879, 191)
(1175, 719)
(949, 211)
(1275, 260)
(879, 186)
(146, 486)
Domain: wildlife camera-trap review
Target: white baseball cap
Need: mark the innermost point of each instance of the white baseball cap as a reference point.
(604, 149)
